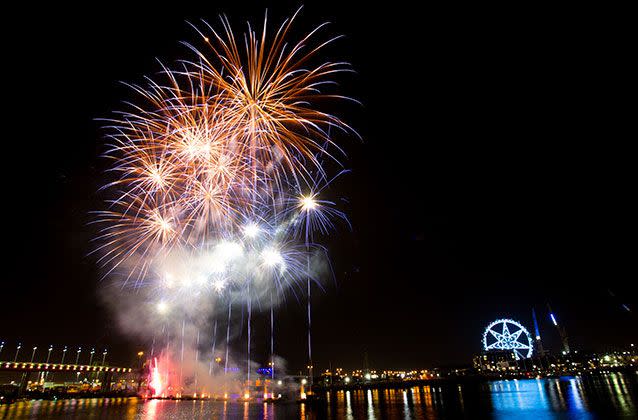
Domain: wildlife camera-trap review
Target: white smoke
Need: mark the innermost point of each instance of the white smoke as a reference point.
(180, 310)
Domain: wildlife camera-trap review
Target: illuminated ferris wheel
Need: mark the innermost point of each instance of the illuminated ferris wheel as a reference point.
(507, 334)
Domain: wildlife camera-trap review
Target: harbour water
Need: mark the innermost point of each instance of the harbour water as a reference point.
(599, 396)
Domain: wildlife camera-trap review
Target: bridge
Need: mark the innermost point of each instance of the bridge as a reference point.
(25, 369)
(56, 367)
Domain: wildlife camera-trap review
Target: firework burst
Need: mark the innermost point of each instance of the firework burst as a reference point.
(225, 136)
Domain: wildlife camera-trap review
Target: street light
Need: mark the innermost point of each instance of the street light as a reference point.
(103, 357)
(1, 347)
(45, 375)
(63, 355)
(33, 354)
(77, 359)
(91, 359)
(17, 351)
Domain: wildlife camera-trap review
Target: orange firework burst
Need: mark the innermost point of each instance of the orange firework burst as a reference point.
(270, 92)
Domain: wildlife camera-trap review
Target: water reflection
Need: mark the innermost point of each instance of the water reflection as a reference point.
(600, 396)
(348, 406)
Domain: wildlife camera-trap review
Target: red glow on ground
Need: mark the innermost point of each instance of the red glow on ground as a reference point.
(156, 380)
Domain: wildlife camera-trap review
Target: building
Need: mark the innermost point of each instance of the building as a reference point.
(495, 361)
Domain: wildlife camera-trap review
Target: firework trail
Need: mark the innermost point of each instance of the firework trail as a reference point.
(218, 175)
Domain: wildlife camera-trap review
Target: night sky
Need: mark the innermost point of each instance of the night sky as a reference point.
(495, 174)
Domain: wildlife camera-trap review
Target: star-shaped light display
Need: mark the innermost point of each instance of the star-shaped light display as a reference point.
(497, 336)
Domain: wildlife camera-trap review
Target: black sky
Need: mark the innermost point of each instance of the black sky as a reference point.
(495, 173)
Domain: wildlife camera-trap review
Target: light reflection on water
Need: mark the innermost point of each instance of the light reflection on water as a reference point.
(595, 396)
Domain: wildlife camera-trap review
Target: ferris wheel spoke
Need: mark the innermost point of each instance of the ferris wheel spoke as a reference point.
(496, 335)
(516, 335)
(517, 345)
(492, 346)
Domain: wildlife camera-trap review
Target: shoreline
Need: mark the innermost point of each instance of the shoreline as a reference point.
(461, 380)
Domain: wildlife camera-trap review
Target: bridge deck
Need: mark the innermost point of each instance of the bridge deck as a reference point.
(55, 367)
